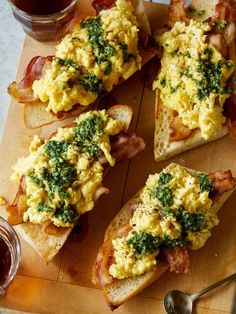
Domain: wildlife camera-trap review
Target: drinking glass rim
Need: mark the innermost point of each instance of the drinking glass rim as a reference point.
(43, 16)
(13, 270)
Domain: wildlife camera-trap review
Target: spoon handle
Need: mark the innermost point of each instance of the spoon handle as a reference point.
(213, 286)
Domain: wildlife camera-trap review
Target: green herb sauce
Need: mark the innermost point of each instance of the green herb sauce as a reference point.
(142, 243)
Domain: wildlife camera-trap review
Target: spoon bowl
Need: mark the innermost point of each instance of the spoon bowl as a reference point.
(178, 302)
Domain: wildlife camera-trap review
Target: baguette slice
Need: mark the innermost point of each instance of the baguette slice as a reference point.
(119, 291)
(48, 245)
(35, 114)
(163, 147)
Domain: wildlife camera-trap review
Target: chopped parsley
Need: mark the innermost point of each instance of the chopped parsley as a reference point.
(200, 13)
(211, 78)
(126, 55)
(56, 149)
(42, 207)
(37, 180)
(205, 183)
(164, 178)
(91, 83)
(220, 25)
(87, 133)
(164, 194)
(192, 221)
(142, 243)
(173, 89)
(171, 243)
(66, 213)
(101, 48)
(163, 82)
(67, 63)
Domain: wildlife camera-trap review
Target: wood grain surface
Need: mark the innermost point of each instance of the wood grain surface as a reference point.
(64, 285)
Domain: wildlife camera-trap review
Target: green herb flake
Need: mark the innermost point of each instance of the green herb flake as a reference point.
(91, 83)
(66, 213)
(220, 25)
(42, 207)
(142, 243)
(164, 178)
(101, 48)
(200, 13)
(193, 221)
(163, 82)
(87, 133)
(172, 243)
(67, 63)
(127, 57)
(205, 183)
(164, 195)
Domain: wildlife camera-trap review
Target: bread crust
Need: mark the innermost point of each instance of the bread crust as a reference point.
(119, 291)
(48, 245)
(35, 114)
(163, 147)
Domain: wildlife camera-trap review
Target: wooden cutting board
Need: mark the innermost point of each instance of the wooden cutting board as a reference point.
(64, 286)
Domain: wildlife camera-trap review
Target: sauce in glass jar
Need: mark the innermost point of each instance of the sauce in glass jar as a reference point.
(5, 260)
(40, 7)
(44, 20)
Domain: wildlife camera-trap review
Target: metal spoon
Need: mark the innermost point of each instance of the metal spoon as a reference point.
(178, 302)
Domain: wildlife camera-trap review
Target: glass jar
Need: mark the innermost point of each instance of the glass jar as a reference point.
(10, 253)
(44, 27)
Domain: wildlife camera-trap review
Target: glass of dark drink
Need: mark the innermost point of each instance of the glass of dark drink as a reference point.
(9, 254)
(44, 20)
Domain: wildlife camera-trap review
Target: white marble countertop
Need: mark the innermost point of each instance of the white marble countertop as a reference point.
(11, 43)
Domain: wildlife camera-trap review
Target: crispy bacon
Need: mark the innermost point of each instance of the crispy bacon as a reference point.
(179, 131)
(101, 275)
(223, 181)
(126, 146)
(22, 91)
(225, 10)
(177, 259)
(177, 13)
(105, 258)
(100, 5)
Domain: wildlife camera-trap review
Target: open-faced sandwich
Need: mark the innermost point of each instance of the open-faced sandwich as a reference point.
(99, 53)
(196, 86)
(174, 213)
(62, 177)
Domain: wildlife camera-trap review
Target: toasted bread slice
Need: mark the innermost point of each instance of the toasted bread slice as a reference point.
(35, 114)
(49, 244)
(119, 291)
(164, 148)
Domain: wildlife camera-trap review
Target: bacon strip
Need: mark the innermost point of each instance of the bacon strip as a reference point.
(34, 71)
(100, 5)
(225, 10)
(223, 181)
(177, 13)
(126, 146)
(179, 131)
(105, 258)
(178, 259)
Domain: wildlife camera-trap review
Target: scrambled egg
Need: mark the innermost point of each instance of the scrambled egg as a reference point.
(193, 77)
(99, 53)
(175, 210)
(63, 174)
